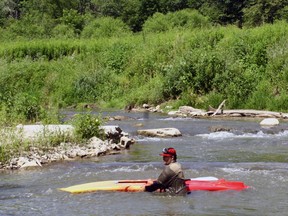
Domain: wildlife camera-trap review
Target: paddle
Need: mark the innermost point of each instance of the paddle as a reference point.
(133, 181)
(208, 178)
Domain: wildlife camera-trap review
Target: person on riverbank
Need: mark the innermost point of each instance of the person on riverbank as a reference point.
(171, 180)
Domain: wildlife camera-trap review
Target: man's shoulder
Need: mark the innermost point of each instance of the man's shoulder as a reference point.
(175, 166)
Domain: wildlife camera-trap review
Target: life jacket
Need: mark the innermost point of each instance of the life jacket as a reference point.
(172, 179)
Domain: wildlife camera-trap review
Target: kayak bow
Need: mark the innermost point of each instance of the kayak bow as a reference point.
(216, 185)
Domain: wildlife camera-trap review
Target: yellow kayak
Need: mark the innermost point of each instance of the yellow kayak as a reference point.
(116, 185)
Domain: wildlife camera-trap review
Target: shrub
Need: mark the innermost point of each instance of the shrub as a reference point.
(105, 27)
(87, 126)
(31, 26)
(73, 19)
(157, 23)
(184, 19)
(63, 31)
(93, 86)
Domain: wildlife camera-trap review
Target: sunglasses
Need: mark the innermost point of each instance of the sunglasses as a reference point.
(165, 150)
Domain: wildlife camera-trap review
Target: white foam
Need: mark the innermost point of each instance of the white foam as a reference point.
(282, 133)
(151, 139)
(260, 134)
(132, 168)
(217, 135)
(235, 170)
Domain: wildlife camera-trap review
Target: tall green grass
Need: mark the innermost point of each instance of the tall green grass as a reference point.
(247, 67)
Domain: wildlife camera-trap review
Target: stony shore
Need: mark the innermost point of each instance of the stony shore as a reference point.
(116, 140)
(188, 111)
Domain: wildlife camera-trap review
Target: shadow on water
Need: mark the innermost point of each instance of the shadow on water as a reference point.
(7, 191)
(10, 186)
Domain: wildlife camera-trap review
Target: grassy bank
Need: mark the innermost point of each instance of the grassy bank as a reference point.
(15, 143)
(197, 67)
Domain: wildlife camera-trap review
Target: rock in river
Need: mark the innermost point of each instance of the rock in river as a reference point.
(160, 132)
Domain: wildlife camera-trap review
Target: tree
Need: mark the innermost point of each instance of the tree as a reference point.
(221, 11)
(131, 15)
(283, 13)
(9, 9)
(195, 4)
(127, 10)
(172, 5)
(73, 19)
(232, 12)
(111, 8)
(259, 12)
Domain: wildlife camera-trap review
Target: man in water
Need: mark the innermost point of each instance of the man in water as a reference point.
(171, 180)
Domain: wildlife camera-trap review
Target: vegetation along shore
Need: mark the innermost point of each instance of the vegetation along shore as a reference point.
(61, 54)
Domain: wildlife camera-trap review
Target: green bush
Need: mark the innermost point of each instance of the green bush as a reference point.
(105, 27)
(30, 26)
(117, 56)
(279, 102)
(214, 100)
(63, 31)
(184, 19)
(88, 126)
(157, 23)
(73, 19)
(261, 97)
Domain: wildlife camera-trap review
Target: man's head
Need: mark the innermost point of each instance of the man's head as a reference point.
(169, 155)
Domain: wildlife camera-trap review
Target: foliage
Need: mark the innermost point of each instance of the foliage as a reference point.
(73, 19)
(188, 19)
(92, 86)
(193, 67)
(258, 12)
(88, 125)
(105, 27)
(30, 26)
(63, 31)
(134, 13)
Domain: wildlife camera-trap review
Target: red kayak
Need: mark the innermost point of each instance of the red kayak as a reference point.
(202, 183)
(215, 185)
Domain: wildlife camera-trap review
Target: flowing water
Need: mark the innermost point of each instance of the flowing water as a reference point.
(257, 156)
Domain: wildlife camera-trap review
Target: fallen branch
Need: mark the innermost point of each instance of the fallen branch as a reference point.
(220, 107)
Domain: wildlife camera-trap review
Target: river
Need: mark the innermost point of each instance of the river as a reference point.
(257, 156)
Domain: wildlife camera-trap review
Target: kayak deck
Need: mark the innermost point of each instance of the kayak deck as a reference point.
(125, 186)
(218, 185)
(139, 185)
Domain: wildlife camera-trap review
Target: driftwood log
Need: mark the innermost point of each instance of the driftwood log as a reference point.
(220, 107)
(244, 112)
(249, 113)
(188, 111)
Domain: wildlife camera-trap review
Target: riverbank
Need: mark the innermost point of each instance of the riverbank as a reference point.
(38, 155)
(189, 111)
